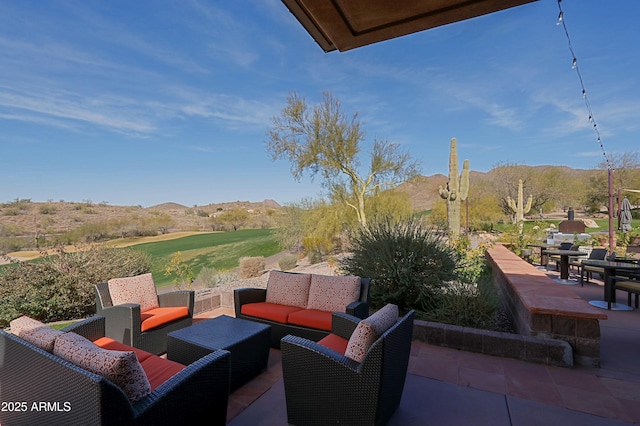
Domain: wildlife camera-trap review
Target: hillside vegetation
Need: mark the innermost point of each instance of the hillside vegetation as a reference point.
(27, 225)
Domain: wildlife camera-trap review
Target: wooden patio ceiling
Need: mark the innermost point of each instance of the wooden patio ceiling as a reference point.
(347, 24)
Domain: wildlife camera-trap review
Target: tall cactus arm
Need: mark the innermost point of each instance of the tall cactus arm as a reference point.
(528, 206)
(453, 167)
(444, 193)
(464, 180)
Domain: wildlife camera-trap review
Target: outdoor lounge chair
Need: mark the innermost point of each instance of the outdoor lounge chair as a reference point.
(323, 386)
(137, 316)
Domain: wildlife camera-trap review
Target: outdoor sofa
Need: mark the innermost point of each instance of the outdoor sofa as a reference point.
(302, 304)
(42, 381)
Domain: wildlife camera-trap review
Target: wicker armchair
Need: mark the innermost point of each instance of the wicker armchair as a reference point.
(75, 396)
(324, 387)
(124, 322)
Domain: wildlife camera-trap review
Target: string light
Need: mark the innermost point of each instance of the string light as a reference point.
(574, 65)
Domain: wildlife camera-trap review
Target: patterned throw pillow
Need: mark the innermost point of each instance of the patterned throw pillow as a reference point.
(139, 289)
(384, 318)
(290, 289)
(369, 330)
(35, 332)
(120, 368)
(333, 293)
(360, 341)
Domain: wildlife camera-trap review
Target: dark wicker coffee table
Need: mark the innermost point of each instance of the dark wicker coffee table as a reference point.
(247, 341)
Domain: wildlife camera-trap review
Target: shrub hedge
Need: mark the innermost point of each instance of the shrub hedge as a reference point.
(60, 286)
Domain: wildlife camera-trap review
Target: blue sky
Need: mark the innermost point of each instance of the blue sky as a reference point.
(140, 103)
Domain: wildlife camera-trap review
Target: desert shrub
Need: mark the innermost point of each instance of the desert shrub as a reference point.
(467, 304)
(7, 245)
(12, 211)
(410, 264)
(251, 267)
(181, 272)
(288, 262)
(47, 209)
(211, 278)
(316, 244)
(314, 257)
(472, 263)
(60, 286)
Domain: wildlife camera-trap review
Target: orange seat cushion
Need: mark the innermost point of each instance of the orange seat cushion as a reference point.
(159, 316)
(269, 311)
(158, 370)
(335, 342)
(114, 345)
(312, 318)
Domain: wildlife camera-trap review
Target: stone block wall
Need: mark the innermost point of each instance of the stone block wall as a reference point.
(539, 307)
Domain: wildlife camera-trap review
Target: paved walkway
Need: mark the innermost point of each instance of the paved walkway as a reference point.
(451, 387)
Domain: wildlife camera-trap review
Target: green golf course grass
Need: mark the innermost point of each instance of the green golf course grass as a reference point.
(221, 251)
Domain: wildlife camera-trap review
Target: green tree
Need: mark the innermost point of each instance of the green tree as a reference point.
(323, 140)
(235, 218)
(626, 175)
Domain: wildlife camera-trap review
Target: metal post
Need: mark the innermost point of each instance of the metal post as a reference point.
(612, 243)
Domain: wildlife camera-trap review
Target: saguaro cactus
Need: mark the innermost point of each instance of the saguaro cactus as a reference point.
(518, 206)
(456, 191)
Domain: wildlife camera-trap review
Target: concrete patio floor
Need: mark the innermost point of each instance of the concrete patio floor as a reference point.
(452, 387)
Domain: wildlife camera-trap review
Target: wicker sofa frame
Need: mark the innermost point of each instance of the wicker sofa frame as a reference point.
(123, 321)
(78, 397)
(325, 387)
(359, 309)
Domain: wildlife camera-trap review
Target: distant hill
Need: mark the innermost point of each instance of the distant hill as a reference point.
(23, 217)
(423, 190)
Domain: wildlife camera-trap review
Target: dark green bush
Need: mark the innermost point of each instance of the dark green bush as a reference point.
(60, 286)
(410, 264)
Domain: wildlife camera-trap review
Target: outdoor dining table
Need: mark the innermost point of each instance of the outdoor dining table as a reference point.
(610, 269)
(564, 264)
(544, 246)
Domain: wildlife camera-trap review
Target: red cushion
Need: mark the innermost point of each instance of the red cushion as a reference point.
(113, 345)
(157, 369)
(335, 342)
(159, 316)
(312, 318)
(269, 311)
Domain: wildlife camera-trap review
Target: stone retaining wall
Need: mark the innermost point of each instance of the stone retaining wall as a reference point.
(540, 307)
(526, 348)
